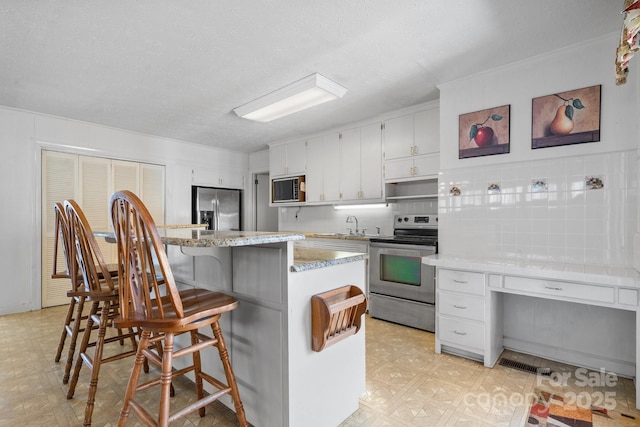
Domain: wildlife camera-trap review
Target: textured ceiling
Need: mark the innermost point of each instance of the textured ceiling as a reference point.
(178, 68)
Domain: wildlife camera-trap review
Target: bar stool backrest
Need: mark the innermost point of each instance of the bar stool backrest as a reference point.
(62, 238)
(95, 272)
(141, 280)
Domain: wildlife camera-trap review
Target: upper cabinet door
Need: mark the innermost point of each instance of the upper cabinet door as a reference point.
(296, 158)
(371, 162)
(288, 159)
(427, 132)
(278, 160)
(315, 170)
(350, 164)
(361, 163)
(398, 137)
(331, 167)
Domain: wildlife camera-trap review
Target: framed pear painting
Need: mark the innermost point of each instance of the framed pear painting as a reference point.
(566, 118)
(483, 133)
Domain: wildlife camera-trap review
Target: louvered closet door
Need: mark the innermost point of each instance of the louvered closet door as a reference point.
(95, 192)
(126, 176)
(152, 190)
(59, 182)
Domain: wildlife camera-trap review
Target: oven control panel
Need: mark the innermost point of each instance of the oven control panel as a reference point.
(415, 221)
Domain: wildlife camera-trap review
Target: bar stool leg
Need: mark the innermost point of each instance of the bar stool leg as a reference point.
(74, 339)
(228, 371)
(132, 385)
(83, 346)
(97, 362)
(67, 321)
(197, 373)
(165, 379)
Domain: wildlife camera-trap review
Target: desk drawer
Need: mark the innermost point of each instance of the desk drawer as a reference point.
(578, 291)
(461, 281)
(461, 305)
(462, 332)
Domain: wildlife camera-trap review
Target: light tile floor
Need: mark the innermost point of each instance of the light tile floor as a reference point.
(407, 383)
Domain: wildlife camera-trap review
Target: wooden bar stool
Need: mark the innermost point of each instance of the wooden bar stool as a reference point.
(75, 317)
(100, 289)
(62, 238)
(162, 312)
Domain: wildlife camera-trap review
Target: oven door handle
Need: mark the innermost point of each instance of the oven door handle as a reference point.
(374, 245)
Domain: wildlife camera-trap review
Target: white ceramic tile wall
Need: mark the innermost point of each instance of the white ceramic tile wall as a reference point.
(565, 223)
(326, 219)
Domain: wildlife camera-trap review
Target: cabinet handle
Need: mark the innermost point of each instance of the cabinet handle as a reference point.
(461, 307)
(415, 170)
(554, 288)
(459, 333)
(460, 281)
(415, 150)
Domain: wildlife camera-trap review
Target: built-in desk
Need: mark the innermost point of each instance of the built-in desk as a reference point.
(584, 315)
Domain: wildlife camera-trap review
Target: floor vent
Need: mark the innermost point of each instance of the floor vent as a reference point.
(525, 367)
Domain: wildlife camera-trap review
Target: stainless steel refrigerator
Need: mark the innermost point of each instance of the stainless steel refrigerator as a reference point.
(217, 207)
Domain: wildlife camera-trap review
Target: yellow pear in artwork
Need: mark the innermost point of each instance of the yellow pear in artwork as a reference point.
(561, 124)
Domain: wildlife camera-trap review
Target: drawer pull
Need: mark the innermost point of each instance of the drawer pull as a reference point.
(461, 307)
(459, 333)
(554, 288)
(460, 281)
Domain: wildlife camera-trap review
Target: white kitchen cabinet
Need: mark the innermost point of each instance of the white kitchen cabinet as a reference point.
(323, 172)
(426, 127)
(460, 318)
(218, 178)
(412, 168)
(412, 135)
(361, 164)
(288, 159)
(398, 137)
(411, 146)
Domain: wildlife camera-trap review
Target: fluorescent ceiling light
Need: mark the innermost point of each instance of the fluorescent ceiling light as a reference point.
(367, 206)
(308, 92)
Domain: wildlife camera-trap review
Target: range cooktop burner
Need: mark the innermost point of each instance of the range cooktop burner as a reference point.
(407, 240)
(421, 229)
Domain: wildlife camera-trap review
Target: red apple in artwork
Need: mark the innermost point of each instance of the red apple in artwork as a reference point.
(484, 136)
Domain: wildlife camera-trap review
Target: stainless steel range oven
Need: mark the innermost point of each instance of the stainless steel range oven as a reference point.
(401, 288)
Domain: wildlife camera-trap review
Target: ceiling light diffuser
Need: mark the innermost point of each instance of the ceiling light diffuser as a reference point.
(305, 93)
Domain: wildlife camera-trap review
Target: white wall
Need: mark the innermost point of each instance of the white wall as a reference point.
(566, 223)
(24, 134)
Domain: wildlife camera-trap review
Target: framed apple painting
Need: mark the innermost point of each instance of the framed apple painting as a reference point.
(483, 133)
(564, 118)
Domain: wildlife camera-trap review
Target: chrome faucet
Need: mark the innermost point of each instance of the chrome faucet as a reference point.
(350, 220)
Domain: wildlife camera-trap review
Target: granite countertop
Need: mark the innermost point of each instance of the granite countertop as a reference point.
(206, 238)
(589, 273)
(339, 236)
(308, 258)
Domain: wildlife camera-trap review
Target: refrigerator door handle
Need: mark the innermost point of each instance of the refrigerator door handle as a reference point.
(216, 215)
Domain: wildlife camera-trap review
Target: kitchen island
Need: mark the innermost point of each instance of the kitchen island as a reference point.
(282, 381)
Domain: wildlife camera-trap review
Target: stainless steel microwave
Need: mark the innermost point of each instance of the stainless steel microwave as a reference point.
(288, 190)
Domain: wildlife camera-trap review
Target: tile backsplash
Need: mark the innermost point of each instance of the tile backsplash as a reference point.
(579, 209)
(326, 219)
